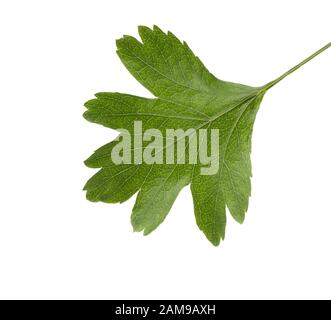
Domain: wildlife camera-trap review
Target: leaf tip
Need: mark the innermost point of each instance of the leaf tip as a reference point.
(142, 30)
(135, 227)
(89, 197)
(157, 29)
(88, 164)
(88, 115)
(215, 242)
(120, 43)
(240, 219)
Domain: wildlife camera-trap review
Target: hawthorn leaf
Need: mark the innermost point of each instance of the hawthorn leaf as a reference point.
(187, 96)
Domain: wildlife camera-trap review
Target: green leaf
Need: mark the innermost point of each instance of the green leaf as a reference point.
(187, 96)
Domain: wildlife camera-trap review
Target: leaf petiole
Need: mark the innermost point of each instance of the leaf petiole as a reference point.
(274, 82)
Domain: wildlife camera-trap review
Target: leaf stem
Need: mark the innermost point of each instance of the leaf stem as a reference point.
(274, 82)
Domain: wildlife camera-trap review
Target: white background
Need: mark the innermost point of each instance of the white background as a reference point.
(54, 55)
